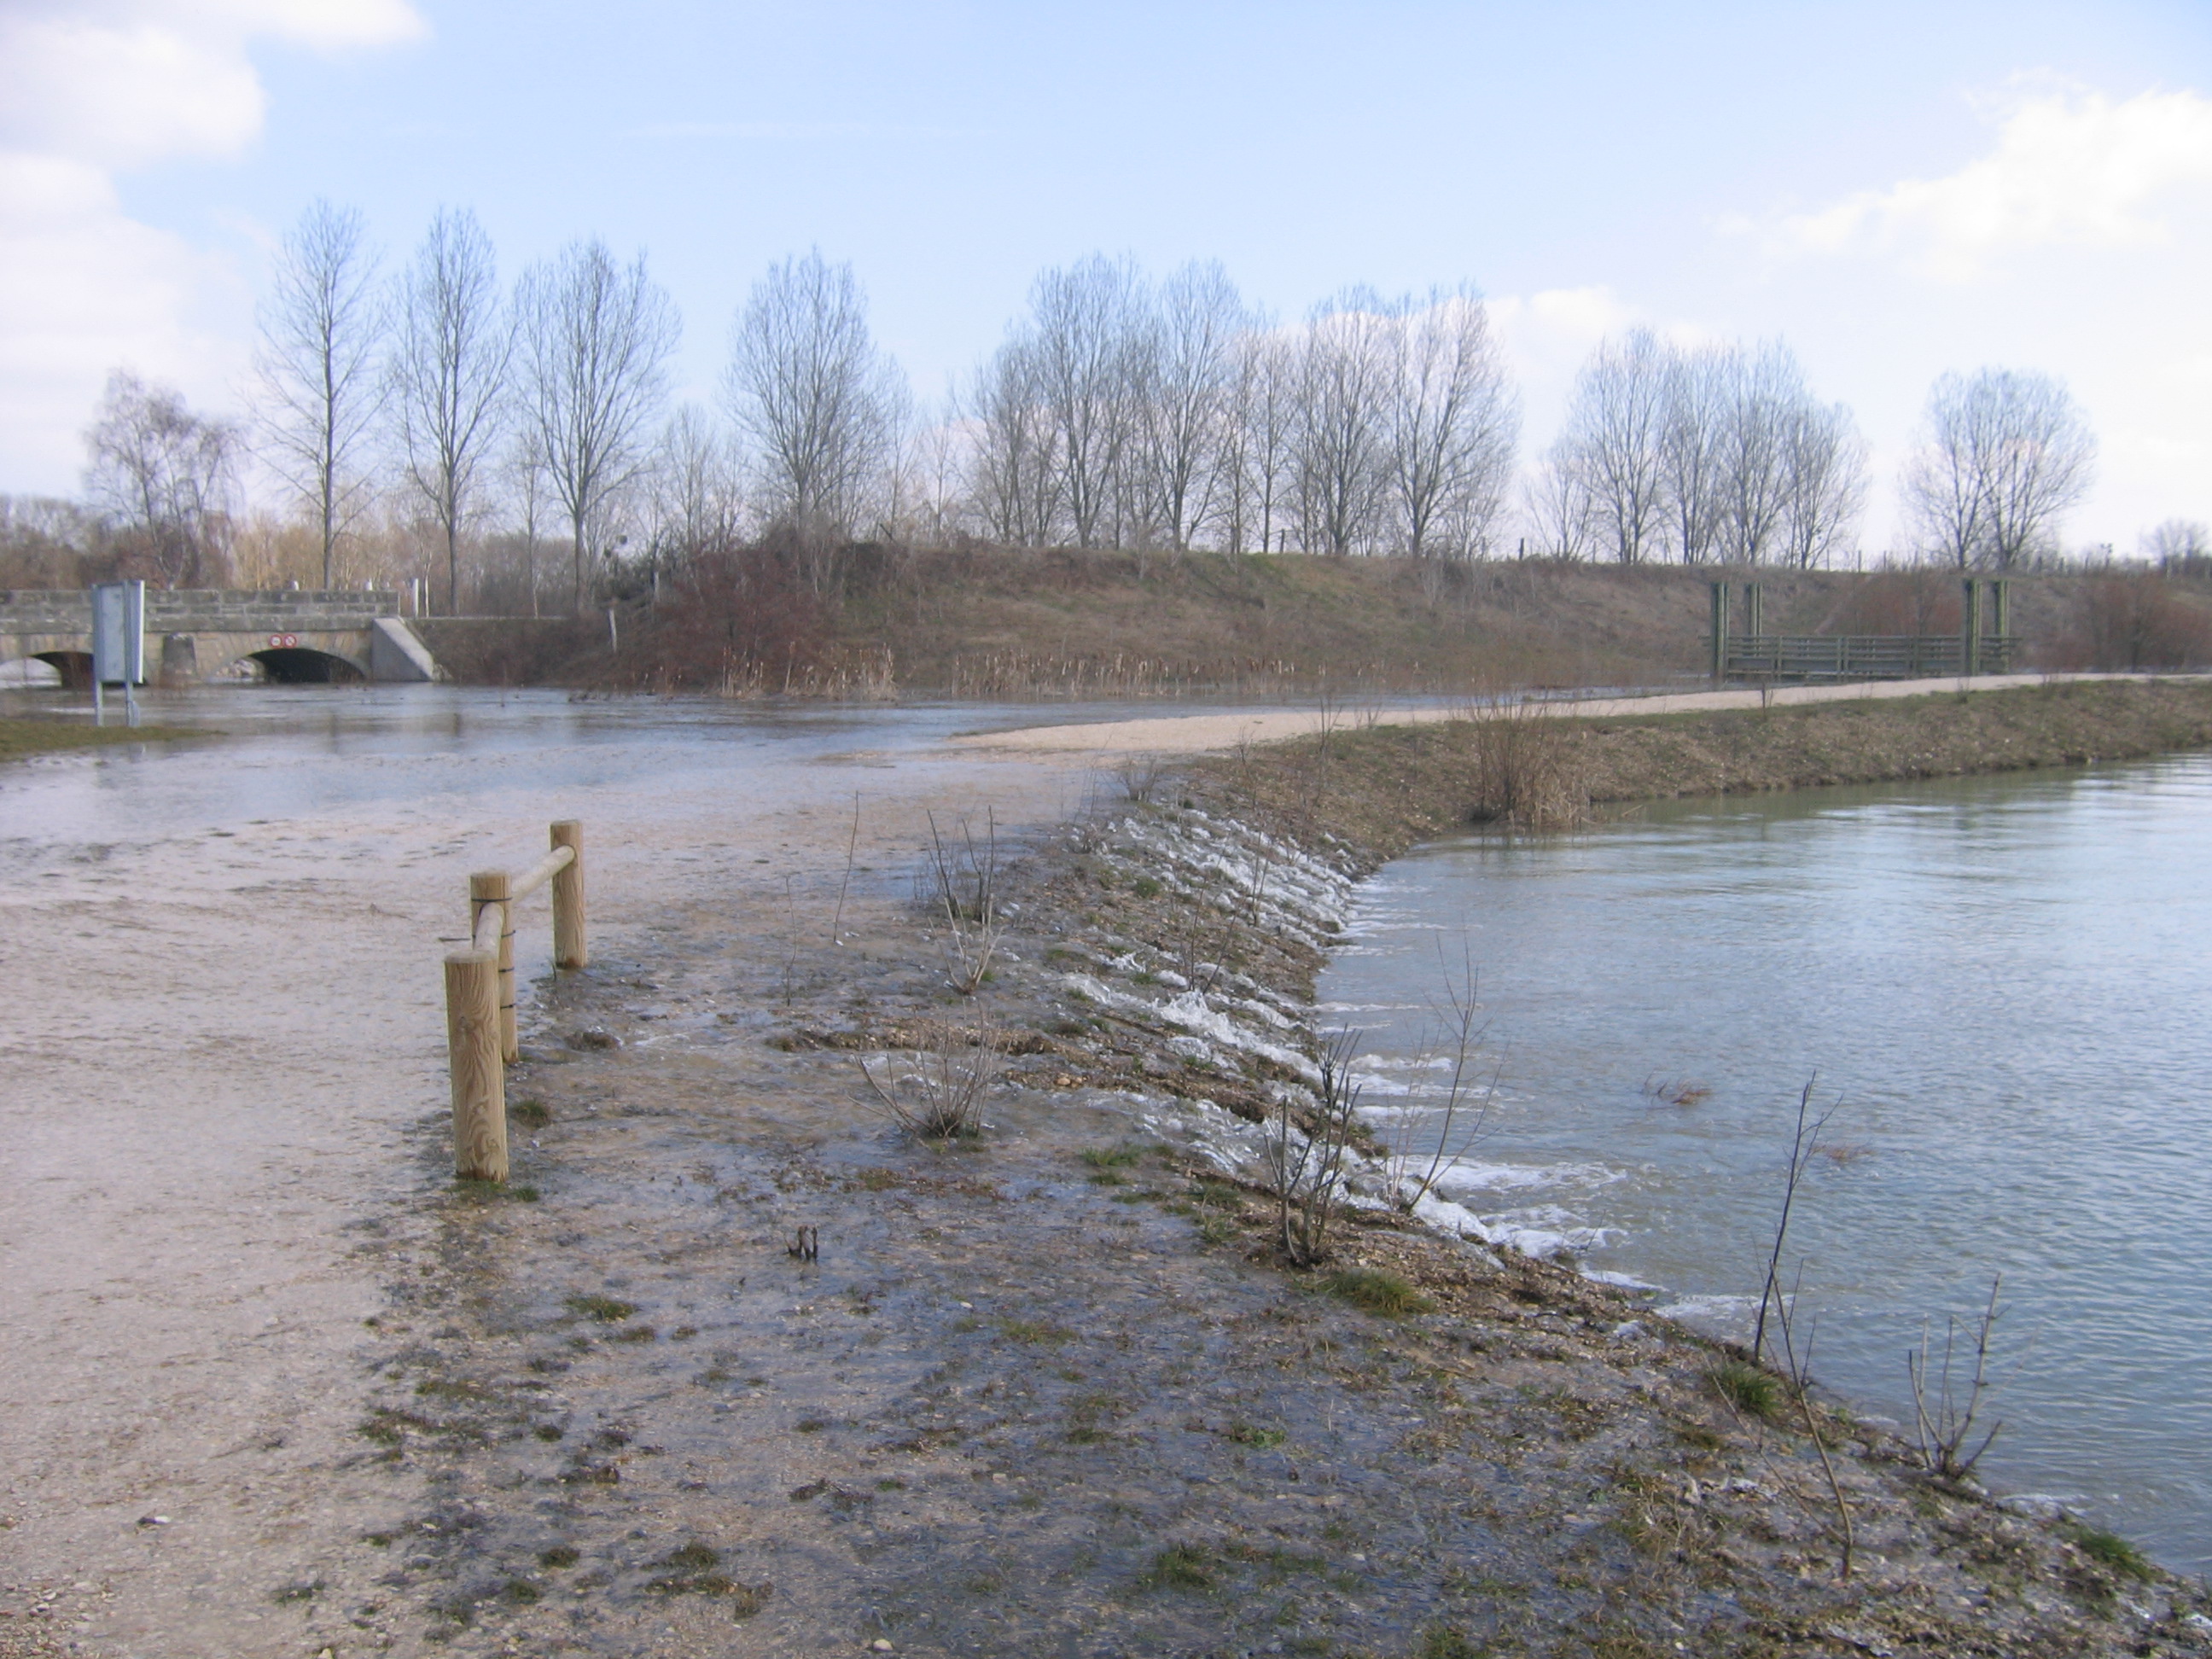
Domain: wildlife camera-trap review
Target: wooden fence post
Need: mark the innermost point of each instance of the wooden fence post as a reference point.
(568, 947)
(1720, 601)
(487, 888)
(479, 1073)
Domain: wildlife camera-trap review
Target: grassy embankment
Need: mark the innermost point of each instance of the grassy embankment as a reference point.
(22, 738)
(1021, 623)
(1384, 789)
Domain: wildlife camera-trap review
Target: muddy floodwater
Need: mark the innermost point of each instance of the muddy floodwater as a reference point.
(223, 1021)
(2002, 981)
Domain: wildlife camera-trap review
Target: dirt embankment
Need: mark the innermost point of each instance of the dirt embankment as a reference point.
(1385, 787)
(1053, 1388)
(1059, 623)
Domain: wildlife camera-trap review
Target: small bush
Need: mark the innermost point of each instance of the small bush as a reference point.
(1377, 1292)
(530, 1112)
(1751, 1391)
(560, 1555)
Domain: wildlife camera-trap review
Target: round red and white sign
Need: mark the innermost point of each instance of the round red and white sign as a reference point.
(283, 642)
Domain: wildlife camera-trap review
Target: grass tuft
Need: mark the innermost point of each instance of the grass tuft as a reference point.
(1751, 1391)
(606, 1309)
(2111, 1551)
(1377, 1292)
(1442, 1641)
(1182, 1566)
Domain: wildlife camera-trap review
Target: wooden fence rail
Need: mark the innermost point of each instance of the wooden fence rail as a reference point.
(480, 1031)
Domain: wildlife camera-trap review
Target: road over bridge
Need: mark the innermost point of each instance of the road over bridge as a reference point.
(194, 635)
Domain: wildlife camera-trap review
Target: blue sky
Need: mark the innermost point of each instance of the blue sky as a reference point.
(1896, 189)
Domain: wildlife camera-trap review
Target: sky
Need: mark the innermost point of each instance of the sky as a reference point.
(1896, 189)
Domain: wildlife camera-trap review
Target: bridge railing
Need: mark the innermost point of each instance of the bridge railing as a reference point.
(480, 1029)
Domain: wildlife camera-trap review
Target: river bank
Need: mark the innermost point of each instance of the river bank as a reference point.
(1050, 1389)
(1385, 780)
(1043, 1390)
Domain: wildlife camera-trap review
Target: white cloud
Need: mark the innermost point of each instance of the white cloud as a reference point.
(87, 91)
(2069, 169)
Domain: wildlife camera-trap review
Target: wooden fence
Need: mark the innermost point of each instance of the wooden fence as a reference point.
(1983, 644)
(480, 1031)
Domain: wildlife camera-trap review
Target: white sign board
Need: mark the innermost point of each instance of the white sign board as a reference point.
(118, 634)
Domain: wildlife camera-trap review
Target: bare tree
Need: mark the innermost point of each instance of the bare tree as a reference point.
(522, 474)
(1198, 320)
(934, 460)
(2178, 546)
(161, 476)
(1342, 435)
(1081, 344)
(450, 353)
(1453, 423)
(1268, 387)
(2004, 455)
(1762, 390)
(1824, 482)
(807, 383)
(695, 502)
(1018, 472)
(1557, 509)
(1691, 439)
(596, 340)
(319, 393)
(1611, 442)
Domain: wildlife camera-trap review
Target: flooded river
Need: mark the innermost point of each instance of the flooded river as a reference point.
(224, 1085)
(2004, 982)
(223, 1076)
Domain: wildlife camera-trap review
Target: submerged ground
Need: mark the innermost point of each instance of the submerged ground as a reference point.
(1044, 1390)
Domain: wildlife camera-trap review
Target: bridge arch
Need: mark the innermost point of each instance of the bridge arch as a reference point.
(75, 667)
(299, 665)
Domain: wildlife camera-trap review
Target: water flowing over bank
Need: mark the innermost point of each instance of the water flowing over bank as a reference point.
(2004, 982)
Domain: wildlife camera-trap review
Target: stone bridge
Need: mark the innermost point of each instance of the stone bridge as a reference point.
(198, 635)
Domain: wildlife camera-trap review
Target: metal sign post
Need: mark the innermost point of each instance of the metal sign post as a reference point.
(119, 645)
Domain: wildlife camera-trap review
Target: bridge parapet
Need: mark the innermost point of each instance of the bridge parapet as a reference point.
(204, 609)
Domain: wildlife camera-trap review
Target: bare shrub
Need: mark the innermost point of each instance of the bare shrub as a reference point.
(1946, 1414)
(1140, 777)
(1459, 1124)
(1526, 777)
(1306, 1161)
(961, 881)
(739, 616)
(940, 1096)
(2142, 620)
(1898, 602)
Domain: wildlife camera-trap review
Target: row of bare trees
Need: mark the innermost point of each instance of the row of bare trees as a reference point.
(1704, 455)
(1122, 413)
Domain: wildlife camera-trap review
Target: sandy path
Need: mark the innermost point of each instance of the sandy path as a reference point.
(1184, 734)
(222, 1054)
